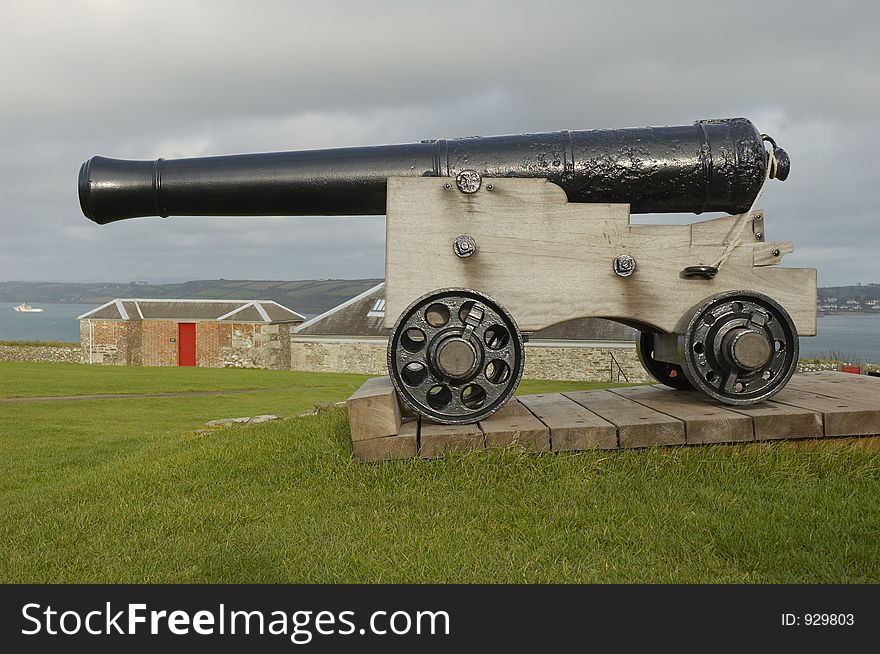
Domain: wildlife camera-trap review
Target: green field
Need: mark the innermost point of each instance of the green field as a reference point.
(124, 491)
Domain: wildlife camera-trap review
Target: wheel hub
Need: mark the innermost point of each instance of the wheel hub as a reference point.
(746, 349)
(456, 358)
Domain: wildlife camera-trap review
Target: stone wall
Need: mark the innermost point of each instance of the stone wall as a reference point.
(365, 357)
(254, 346)
(218, 344)
(564, 363)
(543, 361)
(111, 340)
(40, 353)
(573, 363)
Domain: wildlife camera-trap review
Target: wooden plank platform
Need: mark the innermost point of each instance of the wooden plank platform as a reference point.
(438, 440)
(514, 424)
(842, 416)
(637, 425)
(704, 422)
(813, 405)
(572, 427)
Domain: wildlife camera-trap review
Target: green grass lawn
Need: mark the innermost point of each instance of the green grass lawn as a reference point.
(41, 379)
(123, 491)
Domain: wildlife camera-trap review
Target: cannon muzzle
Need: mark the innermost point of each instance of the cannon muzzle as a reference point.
(712, 165)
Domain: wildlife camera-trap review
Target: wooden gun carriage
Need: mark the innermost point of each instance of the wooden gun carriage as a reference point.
(490, 239)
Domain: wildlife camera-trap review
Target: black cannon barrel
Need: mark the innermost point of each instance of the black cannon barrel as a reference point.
(712, 165)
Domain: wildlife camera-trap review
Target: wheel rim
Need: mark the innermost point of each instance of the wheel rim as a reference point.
(740, 348)
(455, 356)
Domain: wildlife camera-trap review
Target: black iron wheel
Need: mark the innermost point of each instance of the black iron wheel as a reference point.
(739, 347)
(455, 356)
(668, 374)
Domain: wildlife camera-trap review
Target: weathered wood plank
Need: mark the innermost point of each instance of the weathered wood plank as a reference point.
(637, 425)
(402, 445)
(839, 385)
(385, 448)
(841, 417)
(374, 410)
(572, 427)
(568, 246)
(769, 254)
(438, 440)
(514, 424)
(720, 230)
(774, 421)
(704, 423)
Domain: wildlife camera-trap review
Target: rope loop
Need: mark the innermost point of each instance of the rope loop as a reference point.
(744, 220)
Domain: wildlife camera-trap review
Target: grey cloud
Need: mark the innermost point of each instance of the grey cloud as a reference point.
(195, 78)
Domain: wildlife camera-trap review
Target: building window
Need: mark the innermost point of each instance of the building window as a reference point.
(378, 309)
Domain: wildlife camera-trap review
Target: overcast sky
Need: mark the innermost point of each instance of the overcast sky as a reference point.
(186, 78)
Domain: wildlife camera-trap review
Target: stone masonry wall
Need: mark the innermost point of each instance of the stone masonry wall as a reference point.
(542, 361)
(218, 345)
(41, 353)
(584, 364)
(365, 358)
(111, 340)
(255, 346)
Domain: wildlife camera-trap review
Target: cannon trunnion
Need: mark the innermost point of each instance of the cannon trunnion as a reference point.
(490, 239)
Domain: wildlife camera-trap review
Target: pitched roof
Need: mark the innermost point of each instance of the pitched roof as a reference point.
(364, 315)
(256, 311)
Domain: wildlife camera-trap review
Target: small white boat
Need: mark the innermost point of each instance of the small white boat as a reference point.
(24, 307)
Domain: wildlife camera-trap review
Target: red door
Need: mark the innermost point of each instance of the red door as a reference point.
(186, 344)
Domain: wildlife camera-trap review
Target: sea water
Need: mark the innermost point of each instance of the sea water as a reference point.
(856, 336)
(57, 322)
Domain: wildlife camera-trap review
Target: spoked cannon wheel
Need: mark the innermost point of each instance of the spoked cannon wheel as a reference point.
(455, 356)
(740, 347)
(669, 374)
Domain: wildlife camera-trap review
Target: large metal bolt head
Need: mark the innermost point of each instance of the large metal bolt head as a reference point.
(468, 181)
(464, 246)
(749, 350)
(456, 358)
(624, 265)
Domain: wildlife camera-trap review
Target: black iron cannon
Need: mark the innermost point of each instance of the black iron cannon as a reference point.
(477, 236)
(712, 165)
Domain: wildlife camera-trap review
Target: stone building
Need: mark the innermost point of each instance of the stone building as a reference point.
(351, 338)
(206, 333)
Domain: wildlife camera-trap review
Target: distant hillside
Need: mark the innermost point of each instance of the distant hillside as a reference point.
(861, 292)
(305, 296)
